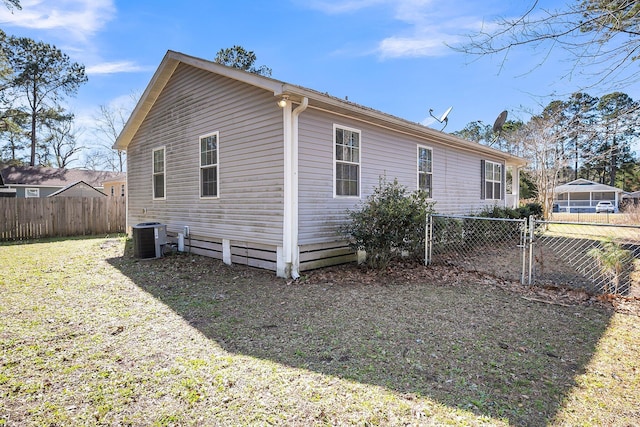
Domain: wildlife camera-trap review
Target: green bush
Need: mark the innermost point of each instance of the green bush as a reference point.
(389, 224)
(531, 208)
(525, 211)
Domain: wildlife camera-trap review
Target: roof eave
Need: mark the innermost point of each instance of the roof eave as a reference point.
(336, 105)
(316, 99)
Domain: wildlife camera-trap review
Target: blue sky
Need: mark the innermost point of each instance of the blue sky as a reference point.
(390, 55)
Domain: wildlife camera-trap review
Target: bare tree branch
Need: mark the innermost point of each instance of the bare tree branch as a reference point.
(601, 38)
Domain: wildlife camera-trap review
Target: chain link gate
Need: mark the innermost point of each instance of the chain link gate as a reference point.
(598, 258)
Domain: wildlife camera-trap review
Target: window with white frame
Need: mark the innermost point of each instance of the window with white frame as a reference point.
(159, 173)
(492, 180)
(209, 165)
(425, 170)
(31, 192)
(347, 161)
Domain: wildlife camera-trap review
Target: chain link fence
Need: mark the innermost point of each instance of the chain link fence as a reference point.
(598, 258)
(490, 245)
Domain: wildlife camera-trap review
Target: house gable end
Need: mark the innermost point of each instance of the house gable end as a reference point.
(164, 73)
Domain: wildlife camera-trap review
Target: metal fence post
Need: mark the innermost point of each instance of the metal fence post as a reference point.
(523, 244)
(532, 227)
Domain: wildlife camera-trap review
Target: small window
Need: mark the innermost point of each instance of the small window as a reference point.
(347, 161)
(158, 173)
(31, 192)
(122, 190)
(209, 165)
(113, 191)
(492, 180)
(425, 170)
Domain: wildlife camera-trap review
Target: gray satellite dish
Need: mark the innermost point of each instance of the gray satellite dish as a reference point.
(443, 119)
(497, 125)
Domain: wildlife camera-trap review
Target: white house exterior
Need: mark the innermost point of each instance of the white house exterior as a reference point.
(256, 171)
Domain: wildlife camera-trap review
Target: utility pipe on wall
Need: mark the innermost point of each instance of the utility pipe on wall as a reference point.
(295, 262)
(290, 226)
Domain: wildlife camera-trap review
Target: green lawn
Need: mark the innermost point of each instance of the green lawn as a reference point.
(91, 336)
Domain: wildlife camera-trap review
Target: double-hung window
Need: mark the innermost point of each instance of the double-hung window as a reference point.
(492, 180)
(209, 165)
(159, 173)
(347, 161)
(425, 170)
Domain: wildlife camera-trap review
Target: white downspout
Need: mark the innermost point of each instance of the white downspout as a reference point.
(295, 253)
(290, 226)
(287, 230)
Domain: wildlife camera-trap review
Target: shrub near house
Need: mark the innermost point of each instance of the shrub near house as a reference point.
(390, 223)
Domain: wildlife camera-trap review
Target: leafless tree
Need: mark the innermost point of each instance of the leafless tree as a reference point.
(109, 123)
(542, 145)
(63, 143)
(601, 36)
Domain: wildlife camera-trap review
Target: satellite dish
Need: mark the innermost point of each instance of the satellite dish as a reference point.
(497, 125)
(443, 119)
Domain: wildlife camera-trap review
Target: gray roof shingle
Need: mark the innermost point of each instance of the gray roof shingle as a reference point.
(50, 177)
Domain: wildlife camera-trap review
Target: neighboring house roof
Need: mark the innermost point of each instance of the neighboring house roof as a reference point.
(584, 186)
(294, 93)
(79, 188)
(50, 177)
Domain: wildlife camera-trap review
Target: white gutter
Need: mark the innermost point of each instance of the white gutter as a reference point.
(290, 226)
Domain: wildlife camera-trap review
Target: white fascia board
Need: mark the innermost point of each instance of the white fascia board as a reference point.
(334, 105)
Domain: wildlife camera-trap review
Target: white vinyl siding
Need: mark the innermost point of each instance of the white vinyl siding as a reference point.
(250, 164)
(347, 161)
(455, 185)
(425, 170)
(158, 178)
(209, 155)
(492, 180)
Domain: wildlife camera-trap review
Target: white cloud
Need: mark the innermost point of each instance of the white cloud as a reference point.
(396, 47)
(430, 25)
(115, 67)
(79, 19)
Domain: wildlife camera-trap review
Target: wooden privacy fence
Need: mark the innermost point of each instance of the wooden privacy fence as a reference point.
(22, 219)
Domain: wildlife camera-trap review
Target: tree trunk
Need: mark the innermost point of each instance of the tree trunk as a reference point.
(33, 140)
(575, 172)
(613, 162)
(34, 110)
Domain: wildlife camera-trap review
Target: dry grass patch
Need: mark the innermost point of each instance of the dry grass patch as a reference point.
(91, 336)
